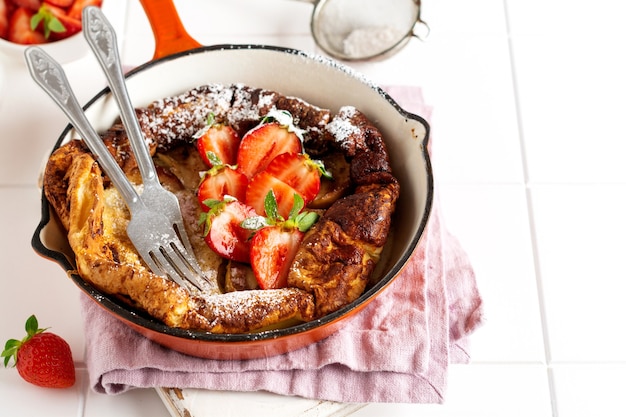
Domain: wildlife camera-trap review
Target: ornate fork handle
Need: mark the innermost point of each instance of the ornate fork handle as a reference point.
(101, 37)
(52, 79)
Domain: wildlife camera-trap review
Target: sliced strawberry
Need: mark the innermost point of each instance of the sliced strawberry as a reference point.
(222, 140)
(276, 241)
(4, 19)
(260, 145)
(272, 251)
(222, 181)
(298, 171)
(20, 31)
(263, 183)
(60, 3)
(224, 233)
(76, 11)
(32, 5)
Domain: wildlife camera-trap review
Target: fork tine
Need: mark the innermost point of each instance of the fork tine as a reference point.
(181, 232)
(185, 262)
(158, 265)
(161, 264)
(176, 264)
(165, 269)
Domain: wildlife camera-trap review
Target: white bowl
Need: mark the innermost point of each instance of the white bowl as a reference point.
(64, 50)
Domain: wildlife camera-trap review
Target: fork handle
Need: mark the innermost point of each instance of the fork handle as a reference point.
(52, 79)
(101, 37)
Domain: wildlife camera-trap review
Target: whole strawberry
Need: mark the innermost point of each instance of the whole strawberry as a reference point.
(43, 359)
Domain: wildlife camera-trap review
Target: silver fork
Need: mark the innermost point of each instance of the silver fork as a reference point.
(150, 230)
(100, 36)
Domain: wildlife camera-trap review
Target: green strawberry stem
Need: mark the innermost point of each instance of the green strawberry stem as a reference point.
(13, 345)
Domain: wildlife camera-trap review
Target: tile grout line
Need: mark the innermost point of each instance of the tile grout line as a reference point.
(82, 396)
(529, 208)
(84, 392)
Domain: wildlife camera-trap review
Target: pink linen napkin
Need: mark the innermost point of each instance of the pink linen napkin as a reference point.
(397, 349)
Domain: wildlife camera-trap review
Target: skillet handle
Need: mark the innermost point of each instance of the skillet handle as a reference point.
(170, 35)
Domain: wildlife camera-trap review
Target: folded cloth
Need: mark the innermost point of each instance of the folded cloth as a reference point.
(397, 349)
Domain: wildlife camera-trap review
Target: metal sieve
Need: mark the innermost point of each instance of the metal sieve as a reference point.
(365, 29)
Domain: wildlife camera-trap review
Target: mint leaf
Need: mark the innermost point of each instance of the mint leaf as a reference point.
(298, 205)
(271, 206)
(50, 22)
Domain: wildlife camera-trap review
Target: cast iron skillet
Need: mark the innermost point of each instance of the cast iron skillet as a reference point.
(316, 79)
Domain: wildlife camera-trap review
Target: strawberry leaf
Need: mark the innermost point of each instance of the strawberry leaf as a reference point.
(55, 25)
(13, 345)
(298, 219)
(212, 204)
(36, 20)
(215, 206)
(205, 222)
(10, 351)
(31, 325)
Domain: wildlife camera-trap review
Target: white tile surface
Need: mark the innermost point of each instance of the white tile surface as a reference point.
(460, 17)
(18, 397)
(570, 88)
(493, 228)
(31, 284)
(577, 19)
(135, 403)
(480, 143)
(580, 233)
(589, 390)
(572, 118)
(482, 391)
(527, 131)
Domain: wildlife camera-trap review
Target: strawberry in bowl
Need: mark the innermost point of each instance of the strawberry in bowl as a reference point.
(51, 24)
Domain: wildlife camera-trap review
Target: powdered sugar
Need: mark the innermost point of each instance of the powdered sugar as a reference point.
(182, 117)
(239, 309)
(170, 119)
(371, 40)
(341, 127)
